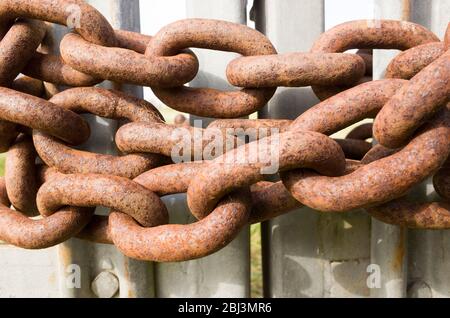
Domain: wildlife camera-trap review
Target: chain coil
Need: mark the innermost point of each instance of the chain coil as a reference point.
(223, 171)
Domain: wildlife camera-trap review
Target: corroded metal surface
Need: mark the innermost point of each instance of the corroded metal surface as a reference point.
(224, 194)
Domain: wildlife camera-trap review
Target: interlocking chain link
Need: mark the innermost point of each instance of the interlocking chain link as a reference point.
(223, 174)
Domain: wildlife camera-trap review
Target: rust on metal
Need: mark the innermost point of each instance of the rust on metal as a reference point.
(40, 233)
(21, 177)
(123, 65)
(105, 103)
(217, 35)
(369, 34)
(296, 69)
(295, 150)
(90, 190)
(87, 21)
(17, 48)
(40, 114)
(379, 181)
(222, 168)
(410, 62)
(415, 103)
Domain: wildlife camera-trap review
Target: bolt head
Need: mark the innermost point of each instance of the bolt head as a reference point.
(105, 285)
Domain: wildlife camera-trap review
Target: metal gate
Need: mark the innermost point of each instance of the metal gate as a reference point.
(305, 253)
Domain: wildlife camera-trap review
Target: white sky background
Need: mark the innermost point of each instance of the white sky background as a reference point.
(157, 13)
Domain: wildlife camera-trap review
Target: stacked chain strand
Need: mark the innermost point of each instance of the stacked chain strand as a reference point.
(47, 175)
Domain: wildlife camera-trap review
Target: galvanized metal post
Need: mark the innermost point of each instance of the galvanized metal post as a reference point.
(106, 272)
(227, 272)
(307, 254)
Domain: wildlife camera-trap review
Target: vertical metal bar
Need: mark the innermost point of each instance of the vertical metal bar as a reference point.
(389, 242)
(429, 256)
(307, 254)
(227, 272)
(290, 244)
(105, 272)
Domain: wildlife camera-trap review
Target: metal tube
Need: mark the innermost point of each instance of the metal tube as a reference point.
(227, 272)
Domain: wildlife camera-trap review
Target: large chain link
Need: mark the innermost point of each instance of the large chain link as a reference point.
(227, 190)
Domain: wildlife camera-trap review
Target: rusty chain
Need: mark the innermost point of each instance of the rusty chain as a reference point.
(45, 175)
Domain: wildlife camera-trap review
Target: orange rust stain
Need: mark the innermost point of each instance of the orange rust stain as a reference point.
(126, 274)
(399, 256)
(65, 254)
(406, 10)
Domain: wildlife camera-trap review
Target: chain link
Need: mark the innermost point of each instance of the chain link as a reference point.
(227, 189)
